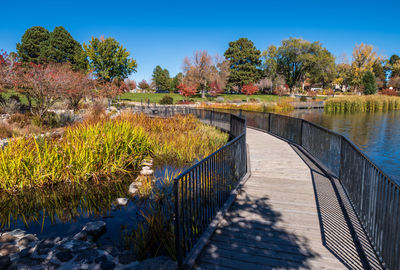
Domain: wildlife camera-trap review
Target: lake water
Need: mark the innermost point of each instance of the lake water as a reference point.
(377, 134)
(62, 210)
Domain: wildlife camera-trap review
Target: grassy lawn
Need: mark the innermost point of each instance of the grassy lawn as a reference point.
(8, 94)
(156, 97)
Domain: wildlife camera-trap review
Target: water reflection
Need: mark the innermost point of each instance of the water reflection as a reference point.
(63, 209)
(377, 134)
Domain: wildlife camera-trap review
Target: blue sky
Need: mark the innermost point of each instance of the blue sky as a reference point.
(164, 32)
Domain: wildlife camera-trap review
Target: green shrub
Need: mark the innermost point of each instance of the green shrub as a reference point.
(167, 100)
(303, 98)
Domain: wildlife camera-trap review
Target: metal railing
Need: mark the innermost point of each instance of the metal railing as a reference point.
(373, 194)
(202, 190)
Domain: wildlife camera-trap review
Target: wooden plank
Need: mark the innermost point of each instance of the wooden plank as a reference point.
(275, 221)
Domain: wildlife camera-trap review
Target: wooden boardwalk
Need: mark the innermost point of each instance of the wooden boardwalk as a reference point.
(289, 215)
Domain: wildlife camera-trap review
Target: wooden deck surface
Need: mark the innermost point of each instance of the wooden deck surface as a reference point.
(289, 215)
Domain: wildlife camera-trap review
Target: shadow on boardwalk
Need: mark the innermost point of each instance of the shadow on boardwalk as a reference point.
(341, 231)
(247, 238)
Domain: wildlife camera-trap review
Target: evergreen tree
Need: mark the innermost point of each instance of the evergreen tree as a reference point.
(369, 83)
(34, 45)
(161, 79)
(245, 61)
(64, 48)
(176, 81)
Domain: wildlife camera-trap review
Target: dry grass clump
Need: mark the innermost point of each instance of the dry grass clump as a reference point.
(181, 139)
(370, 103)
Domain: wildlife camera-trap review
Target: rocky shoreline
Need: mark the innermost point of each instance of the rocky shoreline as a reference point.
(22, 251)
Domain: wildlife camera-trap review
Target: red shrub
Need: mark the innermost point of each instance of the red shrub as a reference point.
(249, 89)
(389, 92)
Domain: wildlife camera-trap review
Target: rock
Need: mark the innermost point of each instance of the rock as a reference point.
(4, 262)
(80, 236)
(17, 233)
(87, 256)
(26, 240)
(44, 246)
(5, 237)
(146, 170)
(132, 188)
(101, 259)
(110, 250)
(8, 249)
(25, 253)
(157, 263)
(74, 245)
(64, 256)
(122, 201)
(95, 228)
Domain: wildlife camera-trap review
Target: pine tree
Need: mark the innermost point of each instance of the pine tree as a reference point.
(369, 83)
(34, 45)
(245, 61)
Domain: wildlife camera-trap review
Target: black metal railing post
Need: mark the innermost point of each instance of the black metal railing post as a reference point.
(177, 224)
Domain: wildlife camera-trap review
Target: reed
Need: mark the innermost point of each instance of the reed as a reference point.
(372, 103)
(104, 149)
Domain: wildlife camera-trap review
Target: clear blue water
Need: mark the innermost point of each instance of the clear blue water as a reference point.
(377, 134)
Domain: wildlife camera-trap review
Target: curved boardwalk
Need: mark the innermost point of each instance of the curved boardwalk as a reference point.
(289, 215)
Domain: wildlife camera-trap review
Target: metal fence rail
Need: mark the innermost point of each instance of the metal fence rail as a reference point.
(375, 197)
(202, 190)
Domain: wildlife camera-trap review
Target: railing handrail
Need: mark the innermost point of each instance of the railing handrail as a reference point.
(209, 156)
(221, 171)
(347, 140)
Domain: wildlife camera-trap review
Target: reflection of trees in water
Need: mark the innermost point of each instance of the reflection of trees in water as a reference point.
(60, 203)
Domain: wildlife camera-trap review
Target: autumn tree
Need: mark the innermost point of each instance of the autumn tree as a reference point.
(245, 60)
(343, 75)
(364, 59)
(161, 79)
(76, 86)
(198, 70)
(144, 85)
(131, 84)
(109, 59)
(395, 82)
(249, 89)
(187, 90)
(42, 85)
(201, 70)
(7, 66)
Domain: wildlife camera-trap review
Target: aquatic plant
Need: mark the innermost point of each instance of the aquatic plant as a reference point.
(371, 103)
(104, 148)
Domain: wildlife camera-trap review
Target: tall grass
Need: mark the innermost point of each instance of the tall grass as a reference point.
(258, 107)
(104, 149)
(371, 103)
